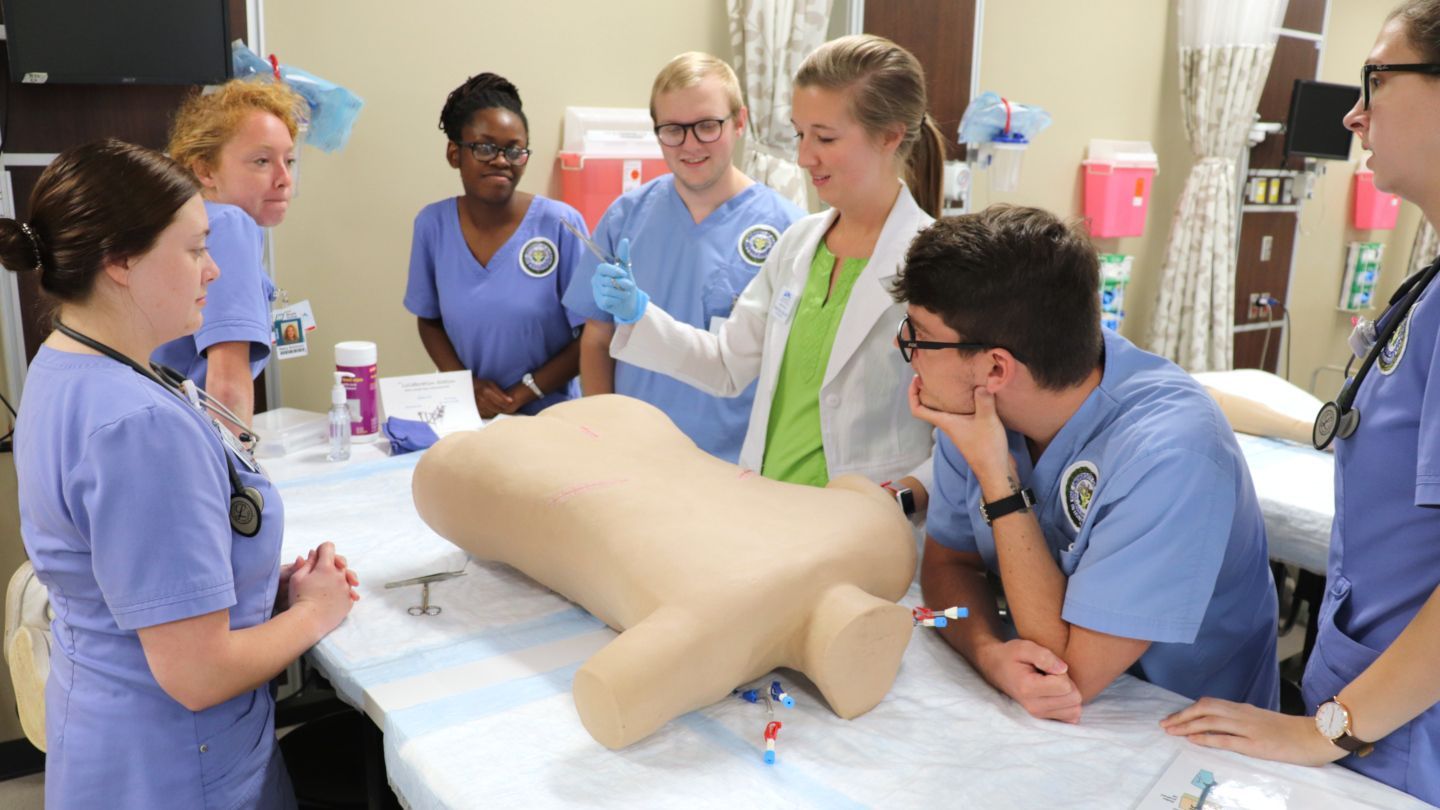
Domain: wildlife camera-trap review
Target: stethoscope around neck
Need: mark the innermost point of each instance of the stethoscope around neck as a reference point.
(246, 503)
(1340, 417)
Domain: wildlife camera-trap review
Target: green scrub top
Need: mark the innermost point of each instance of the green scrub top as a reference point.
(794, 448)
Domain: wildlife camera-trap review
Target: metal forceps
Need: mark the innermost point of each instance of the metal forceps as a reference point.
(590, 244)
(425, 608)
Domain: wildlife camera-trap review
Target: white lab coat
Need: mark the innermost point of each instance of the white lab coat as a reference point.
(865, 421)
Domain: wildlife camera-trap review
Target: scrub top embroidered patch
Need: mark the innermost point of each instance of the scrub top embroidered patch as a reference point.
(1389, 358)
(538, 257)
(756, 243)
(1077, 490)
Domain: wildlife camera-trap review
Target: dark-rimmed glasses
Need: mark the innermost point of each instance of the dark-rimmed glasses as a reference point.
(1430, 68)
(706, 130)
(484, 152)
(905, 338)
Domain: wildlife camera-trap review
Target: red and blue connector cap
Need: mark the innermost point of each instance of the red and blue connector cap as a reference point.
(772, 731)
(928, 617)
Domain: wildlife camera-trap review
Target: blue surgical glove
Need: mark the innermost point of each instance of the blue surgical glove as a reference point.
(614, 288)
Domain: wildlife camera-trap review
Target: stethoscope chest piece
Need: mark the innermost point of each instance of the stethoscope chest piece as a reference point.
(1332, 422)
(245, 508)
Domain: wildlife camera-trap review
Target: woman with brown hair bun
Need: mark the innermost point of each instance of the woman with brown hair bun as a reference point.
(154, 531)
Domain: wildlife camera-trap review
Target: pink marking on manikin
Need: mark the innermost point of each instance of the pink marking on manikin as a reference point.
(588, 432)
(570, 492)
(746, 474)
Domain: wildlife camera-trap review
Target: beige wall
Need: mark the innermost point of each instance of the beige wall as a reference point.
(1325, 222)
(346, 243)
(1129, 91)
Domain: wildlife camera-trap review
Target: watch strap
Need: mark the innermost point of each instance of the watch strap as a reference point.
(994, 510)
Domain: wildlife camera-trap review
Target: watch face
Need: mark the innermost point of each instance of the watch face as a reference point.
(1331, 719)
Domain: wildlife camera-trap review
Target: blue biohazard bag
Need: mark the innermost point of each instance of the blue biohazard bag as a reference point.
(332, 108)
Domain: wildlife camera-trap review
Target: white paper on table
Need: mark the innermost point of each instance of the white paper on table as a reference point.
(444, 401)
(1235, 784)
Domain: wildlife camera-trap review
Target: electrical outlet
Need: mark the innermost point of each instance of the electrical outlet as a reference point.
(1256, 311)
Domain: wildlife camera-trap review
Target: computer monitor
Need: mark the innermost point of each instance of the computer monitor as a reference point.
(118, 41)
(1316, 127)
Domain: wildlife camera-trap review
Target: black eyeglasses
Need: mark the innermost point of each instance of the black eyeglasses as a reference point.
(485, 152)
(707, 130)
(905, 337)
(1429, 68)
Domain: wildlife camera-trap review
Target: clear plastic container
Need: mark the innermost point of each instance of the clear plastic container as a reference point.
(285, 430)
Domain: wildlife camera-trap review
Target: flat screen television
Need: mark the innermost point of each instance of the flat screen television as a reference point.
(117, 41)
(1316, 127)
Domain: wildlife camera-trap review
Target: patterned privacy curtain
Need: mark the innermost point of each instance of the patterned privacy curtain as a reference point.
(1225, 52)
(771, 38)
(1425, 248)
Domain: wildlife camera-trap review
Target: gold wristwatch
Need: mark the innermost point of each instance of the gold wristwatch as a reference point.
(1332, 720)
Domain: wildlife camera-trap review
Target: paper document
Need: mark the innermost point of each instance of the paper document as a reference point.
(445, 402)
(1199, 780)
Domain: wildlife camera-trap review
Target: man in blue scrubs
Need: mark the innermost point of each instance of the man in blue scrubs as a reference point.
(697, 237)
(1099, 482)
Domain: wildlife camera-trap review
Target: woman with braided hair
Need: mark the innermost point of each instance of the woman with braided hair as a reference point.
(488, 268)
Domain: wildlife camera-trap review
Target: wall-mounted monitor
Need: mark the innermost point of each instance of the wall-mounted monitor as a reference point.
(117, 41)
(1317, 127)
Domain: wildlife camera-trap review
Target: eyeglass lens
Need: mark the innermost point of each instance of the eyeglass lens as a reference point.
(706, 131)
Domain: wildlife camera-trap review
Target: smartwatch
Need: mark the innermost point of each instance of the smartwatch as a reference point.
(1019, 502)
(906, 499)
(529, 382)
(1332, 720)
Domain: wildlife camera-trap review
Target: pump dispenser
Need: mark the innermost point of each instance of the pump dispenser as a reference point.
(339, 421)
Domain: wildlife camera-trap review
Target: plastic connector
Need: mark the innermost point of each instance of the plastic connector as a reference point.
(777, 692)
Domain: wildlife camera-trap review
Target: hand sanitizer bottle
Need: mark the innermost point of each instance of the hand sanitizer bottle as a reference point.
(339, 421)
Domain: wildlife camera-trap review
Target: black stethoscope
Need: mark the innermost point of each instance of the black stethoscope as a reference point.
(1340, 417)
(246, 503)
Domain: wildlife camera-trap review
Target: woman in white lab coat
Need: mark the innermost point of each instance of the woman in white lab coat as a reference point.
(817, 323)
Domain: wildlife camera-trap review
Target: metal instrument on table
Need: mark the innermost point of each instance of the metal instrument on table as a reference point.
(425, 608)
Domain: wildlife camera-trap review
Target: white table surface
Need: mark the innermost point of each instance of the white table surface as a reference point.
(476, 710)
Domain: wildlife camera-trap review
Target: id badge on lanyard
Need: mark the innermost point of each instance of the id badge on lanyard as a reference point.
(235, 448)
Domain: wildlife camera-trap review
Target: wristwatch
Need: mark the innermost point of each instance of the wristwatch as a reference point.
(1332, 720)
(529, 382)
(1020, 501)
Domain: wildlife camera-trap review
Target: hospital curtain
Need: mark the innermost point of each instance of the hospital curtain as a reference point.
(1424, 249)
(1225, 52)
(771, 38)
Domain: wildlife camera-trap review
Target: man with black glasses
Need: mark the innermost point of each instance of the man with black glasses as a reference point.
(696, 237)
(1099, 482)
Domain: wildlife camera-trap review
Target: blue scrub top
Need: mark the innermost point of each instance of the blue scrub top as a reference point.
(237, 303)
(1146, 502)
(693, 271)
(1385, 541)
(124, 508)
(505, 320)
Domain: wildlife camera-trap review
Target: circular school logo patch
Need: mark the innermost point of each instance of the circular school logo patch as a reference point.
(538, 257)
(1077, 490)
(756, 243)
(1394, 348)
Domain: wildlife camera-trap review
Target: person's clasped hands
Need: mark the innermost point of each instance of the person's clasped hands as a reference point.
(323, 581)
